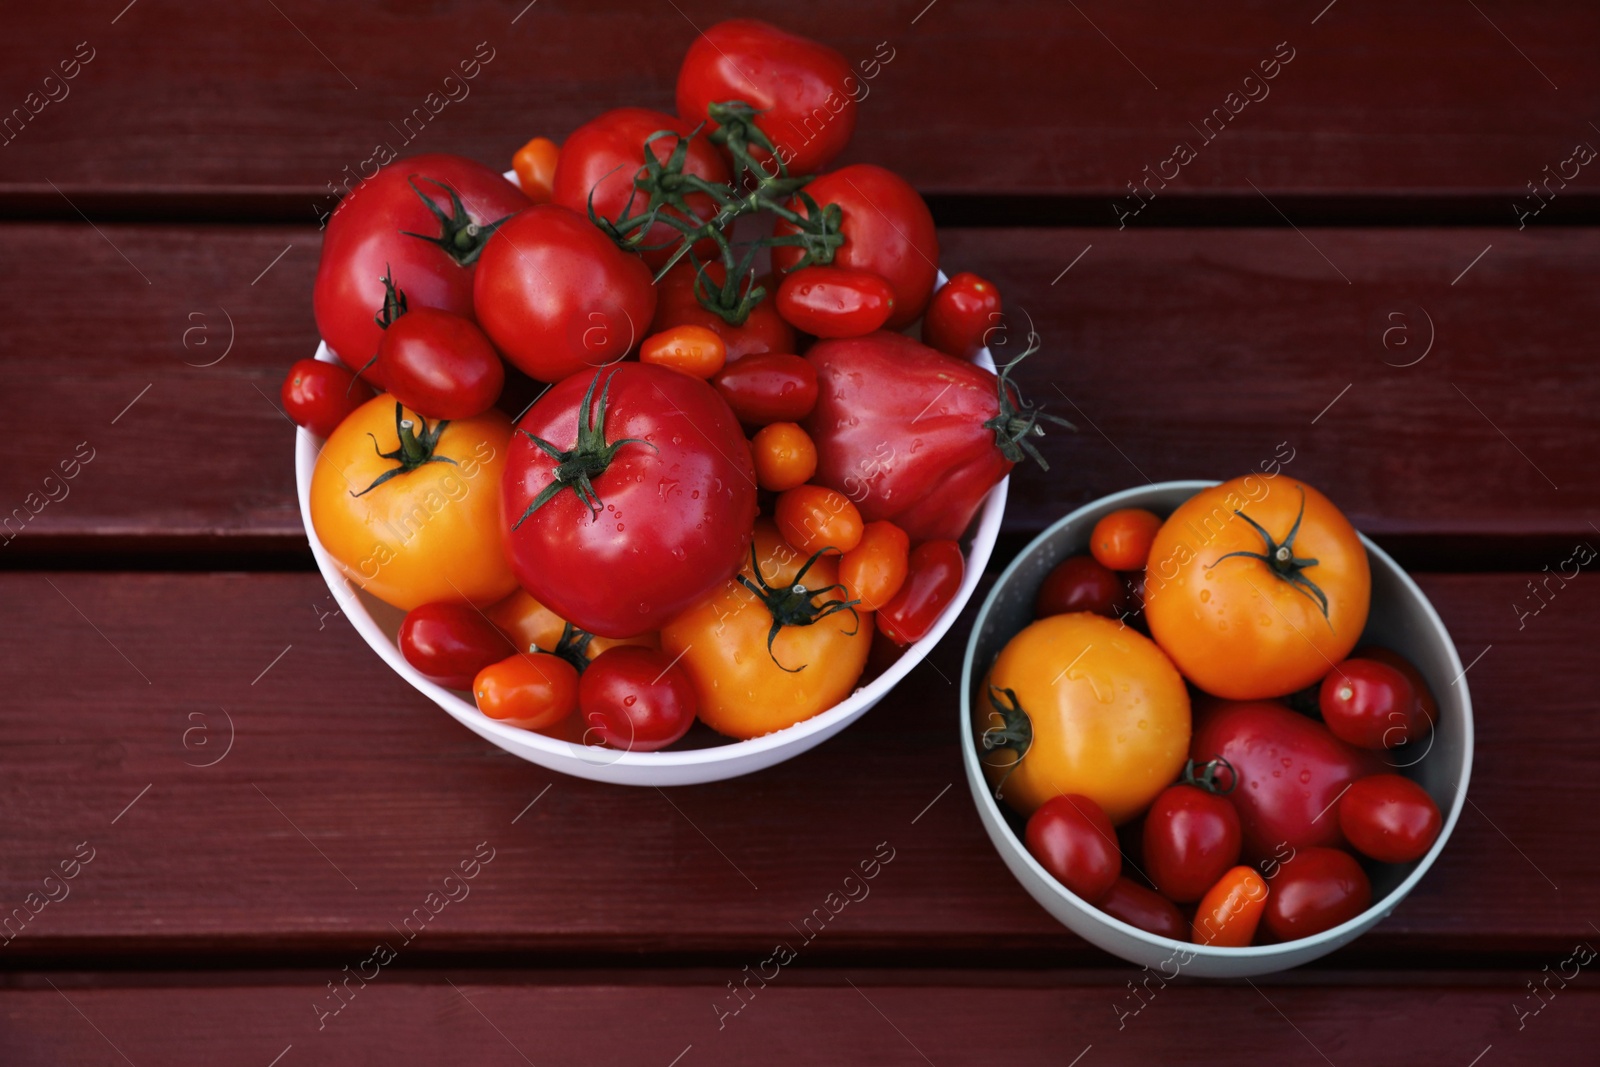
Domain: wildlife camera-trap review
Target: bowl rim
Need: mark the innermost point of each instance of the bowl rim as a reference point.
(1373, 913)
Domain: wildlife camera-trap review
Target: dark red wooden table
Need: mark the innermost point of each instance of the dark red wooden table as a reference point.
(1383, 266)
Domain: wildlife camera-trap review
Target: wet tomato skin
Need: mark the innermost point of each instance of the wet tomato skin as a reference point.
(1372, 705)
(1072, 838)
(318, 395)
(450, 643)
(931, 583)
(636, 699)
(1082, 583)
(1315, 891)
(1191, 838)
(1389, 818)
(1144, 908)
(835, 301)
(768, 387)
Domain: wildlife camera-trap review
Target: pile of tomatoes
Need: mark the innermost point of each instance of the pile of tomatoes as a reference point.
(725, 472)
(1258, 819)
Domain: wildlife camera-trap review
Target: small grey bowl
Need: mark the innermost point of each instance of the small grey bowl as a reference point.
(1401, 618)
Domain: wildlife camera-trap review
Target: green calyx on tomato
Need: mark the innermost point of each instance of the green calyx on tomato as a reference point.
(460, 237)
(792, 605)
(1208, 776)
(577, 467)
(1015, 731)
(572, 646)
(1282, 561)
(393, 306)
(415, 449)
(1018, 420)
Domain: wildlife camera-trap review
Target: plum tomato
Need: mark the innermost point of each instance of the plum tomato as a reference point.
(530, 690)
(1122, 539)
(1191, 836)
(933, 578)
(813, 519)
(1315, 891)
(1389, 818)
(1082, 583)
(439, 365)
(1071, 838)
(1371, 705)
(768, 387)
(1145, 909)
(874, 570)
(960, 316)
(450, 642)
(636, 699)
(835, 301)
(761, 330)
(319, 395)
(535, 164)
(694, 350)
(784, 456)
(1230, 911)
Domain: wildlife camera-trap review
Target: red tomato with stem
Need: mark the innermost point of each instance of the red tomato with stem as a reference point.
(440, 365)
(636, 699)
(424, 221)
(1191, 835)
(1315, 891)
(1080, 583)
(835, 301)
(768, 387)
(1072, 838)
(450, 642)
(319, 395)
(960, 316)
(763, 329)
(629, 495)
(932, 580)
(802, 91)
(1389, 818)
(557, 296)
(1371, 705)
(1144, 908)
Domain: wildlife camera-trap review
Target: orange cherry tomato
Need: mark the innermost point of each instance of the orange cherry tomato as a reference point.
(534, 691)
(785, 456)
(530, 625)
(1230, 911)
(874, 570)
(694, 350)
(1122, 539)
(535, 164)
(814, 517)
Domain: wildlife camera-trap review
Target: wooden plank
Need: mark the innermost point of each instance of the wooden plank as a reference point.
(119, 343)
(815, 1017)
(270, 104)
(346, 798)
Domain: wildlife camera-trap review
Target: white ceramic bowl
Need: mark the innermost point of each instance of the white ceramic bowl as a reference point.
(1401, 618)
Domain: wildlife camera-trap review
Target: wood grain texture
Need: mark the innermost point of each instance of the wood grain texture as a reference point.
(346, 798)
(275, 101)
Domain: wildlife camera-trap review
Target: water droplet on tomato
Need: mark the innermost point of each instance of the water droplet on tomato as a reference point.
(629, 700)
(1205, 596)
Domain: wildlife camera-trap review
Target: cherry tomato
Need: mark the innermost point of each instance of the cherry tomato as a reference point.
(1071, 838)
(768, 387)
(319, 395)
(803, 92)
(1371, 705)
(1389, 818)
(1315, 891)
(1144, 908)
(813, 517)
(557, 296)
(535, 164)
(932, 581)
(1428, 707)
(531, 690)
(451, 642)
(960, 316)
(887, 230)
(1231, 910)
(636, 699)
(874, 570)
(1191, 838)
(1122, 539)
(835, 301)
(763, 329)
(440, 365)
(1081, 583)
(695, 350)
(784, 456)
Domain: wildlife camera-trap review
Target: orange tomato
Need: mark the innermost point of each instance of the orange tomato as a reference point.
(814, 517)
(874, 570)
(1122, 539)
(1079, 703)
(694, 350)
(1230, 911)
(785, 456)
(534, 691)
(1256, 587)
(535, 164)
(530, 625)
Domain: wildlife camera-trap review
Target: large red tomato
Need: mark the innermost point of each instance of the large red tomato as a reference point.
(763, 330)
(557, 296)
(425, 221)
(629, 494)
(801, 89)
(604, 155)
(887, 231)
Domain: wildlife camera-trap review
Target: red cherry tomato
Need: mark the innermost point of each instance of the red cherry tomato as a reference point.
(1144, 908)
(1072, 838)
(531, 690)
(636, 699)
(1122, 539)
(1191, 838)
(1315, 891)
(1080, 583)
(440, 365)
(887, 230)
(835, 301)
(450, 642)
(763, 330)
(557, 296)
(319, 395)
(1389, 818)
(1229, 913)
(1371, 705)
(768, 387)
(804, 93)
(932, 582)
(960, 316)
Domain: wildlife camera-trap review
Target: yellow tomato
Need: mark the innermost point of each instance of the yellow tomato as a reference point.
(529, 625)
(1081, 704)
(422, 521)
(749, 685)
